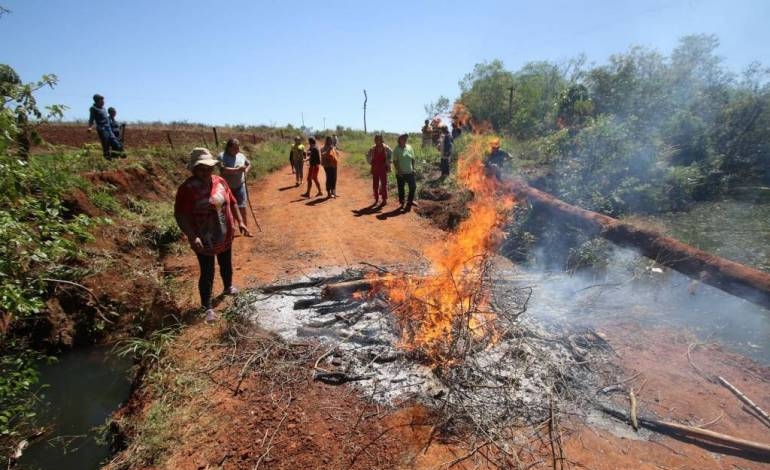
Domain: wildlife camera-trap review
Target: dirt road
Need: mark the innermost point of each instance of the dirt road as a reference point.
(306, 424)
(301, 235)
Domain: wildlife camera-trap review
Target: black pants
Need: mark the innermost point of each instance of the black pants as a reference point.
(109, 142)
(402, 180)
(206, 281)
(445, 166)
(331, 178)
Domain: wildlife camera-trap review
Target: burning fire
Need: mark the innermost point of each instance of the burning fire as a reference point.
(446, 314)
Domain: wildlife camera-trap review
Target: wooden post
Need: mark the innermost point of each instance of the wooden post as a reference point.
(216, 137)
(254, 139)
(366, 98)
(168, 136)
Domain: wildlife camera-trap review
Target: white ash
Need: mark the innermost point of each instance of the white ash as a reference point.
(509, 383)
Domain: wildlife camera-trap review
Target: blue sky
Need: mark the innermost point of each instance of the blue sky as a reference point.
(258, 62)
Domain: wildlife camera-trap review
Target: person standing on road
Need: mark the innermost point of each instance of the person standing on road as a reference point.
(446, 151)
(98, 116)
(403, 160)
(330, 160)
(297, 160)
(314, 163)
(427, 134)
(207, 212)
(234, 168)
(380, 158)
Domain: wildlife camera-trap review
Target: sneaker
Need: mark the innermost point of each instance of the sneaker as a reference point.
(414, 204)
(211, 315)
(305, 194)
(318, 194)
(232, 290)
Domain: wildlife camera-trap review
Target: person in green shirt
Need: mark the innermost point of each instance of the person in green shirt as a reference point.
(403, 161)
(297, 158)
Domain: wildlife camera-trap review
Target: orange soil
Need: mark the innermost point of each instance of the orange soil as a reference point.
(323, 426)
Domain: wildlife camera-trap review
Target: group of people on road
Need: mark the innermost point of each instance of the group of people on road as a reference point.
(210, 209)
(326, 157)
(107, 127)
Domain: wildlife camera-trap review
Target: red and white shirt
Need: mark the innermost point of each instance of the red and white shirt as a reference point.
(210, 212)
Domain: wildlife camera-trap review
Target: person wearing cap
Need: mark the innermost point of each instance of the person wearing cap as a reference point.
(380, 158)
(403, 161)
(297, 160)
(498, 161)
(234, 168)
(98, 116)
(207, 213)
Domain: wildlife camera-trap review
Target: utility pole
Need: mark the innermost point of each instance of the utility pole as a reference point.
(366, 98)
(303, 119)
(324, 122)
(510, 110)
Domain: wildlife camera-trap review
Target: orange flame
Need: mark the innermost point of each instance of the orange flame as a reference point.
(443, 314)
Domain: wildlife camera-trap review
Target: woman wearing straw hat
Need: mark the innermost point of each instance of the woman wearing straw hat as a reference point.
(206, 212)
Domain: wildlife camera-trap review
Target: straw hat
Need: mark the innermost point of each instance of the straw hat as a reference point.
(201, 156)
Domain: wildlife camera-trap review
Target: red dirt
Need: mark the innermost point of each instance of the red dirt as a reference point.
(140, 136)
(332, 427)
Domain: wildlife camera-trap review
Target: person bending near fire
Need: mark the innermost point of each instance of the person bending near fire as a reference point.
(498, 162)
(207, 213)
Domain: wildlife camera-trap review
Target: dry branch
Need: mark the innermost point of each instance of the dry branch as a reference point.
(765, 419)
(695, 433)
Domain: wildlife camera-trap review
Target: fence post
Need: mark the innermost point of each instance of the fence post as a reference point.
(216, 137)
(168, 136)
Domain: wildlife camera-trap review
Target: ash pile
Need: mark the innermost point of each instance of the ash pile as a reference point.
(513, 379)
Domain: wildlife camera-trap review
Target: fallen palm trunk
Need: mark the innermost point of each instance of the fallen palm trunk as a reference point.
(666, 427)
(729, 276)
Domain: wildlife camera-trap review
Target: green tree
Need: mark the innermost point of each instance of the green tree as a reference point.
(485, 93)
(440, 107)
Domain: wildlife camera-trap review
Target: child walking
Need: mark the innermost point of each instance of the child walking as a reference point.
(314, 163)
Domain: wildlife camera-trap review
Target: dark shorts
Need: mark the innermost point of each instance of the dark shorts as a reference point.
(240, 195)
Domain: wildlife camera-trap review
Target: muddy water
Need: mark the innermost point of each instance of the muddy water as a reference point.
(83, 388)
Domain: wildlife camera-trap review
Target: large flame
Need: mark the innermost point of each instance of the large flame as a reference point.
(444, 314)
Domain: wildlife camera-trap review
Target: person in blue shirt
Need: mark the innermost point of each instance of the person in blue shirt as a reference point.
(116, 128)
(98, 116)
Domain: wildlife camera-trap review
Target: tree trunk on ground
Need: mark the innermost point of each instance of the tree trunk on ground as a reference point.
(729, 276)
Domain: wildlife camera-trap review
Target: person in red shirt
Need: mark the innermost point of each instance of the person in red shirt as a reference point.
(206, 211)
(380, 158)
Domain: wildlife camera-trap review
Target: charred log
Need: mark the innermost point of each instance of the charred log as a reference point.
(729, 276)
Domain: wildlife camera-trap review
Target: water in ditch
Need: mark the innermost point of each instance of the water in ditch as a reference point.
(80, 392)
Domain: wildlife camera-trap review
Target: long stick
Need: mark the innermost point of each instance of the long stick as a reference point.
(746, 400)
(248, 198)
(689, 431)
